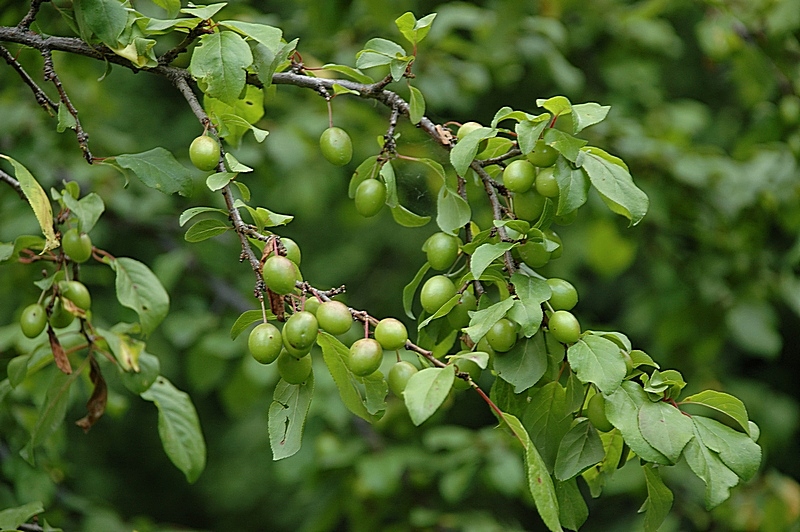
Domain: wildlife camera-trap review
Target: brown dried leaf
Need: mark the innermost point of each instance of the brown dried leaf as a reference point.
(96, 405)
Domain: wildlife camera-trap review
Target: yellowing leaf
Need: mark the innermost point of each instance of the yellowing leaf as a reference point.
(38, 200)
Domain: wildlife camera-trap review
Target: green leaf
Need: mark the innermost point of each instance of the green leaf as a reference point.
(598, 360)
(580, 449)
(170, 6)
(547, 420)
(245, 320)
(105, 18)
(573, 186)
(52, 412)
(126, 350)
(567, 145)
(411, 288)
(723, 403)
(350, 72)
(572, 509)
(659, 499)
(387, 173)
(622, 410)
(486, 254)
(532, 292)
(407, 218)
(205, 229)
(335, 354)
(453, 211)
(88, 209)
(412, 29)
(506, 113)
(528, 132)
(37, 198)
(366, 170)
(204, 12)
(614, 184)
(65, 119)
(524, 364)
(12, 518)
(219, 180)
(464, 152)
(558, 105)
(17, 369)
(218, 64)
(158, 169)
(707, 465)
(266, 63)
(235, 119)
(379, 52)
(588, 114)
(287, 416)
(665, 428)
(482, 320)
(416, 106)
(539, 481)
(178, 428)
(190, 213)
(736, 450)
(441, 311)
(140, 381)
(268, 36)
(341, 89)
(426, 391)
(139, 289)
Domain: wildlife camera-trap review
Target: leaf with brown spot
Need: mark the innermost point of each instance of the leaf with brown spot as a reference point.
(58, 352)
(96, 405)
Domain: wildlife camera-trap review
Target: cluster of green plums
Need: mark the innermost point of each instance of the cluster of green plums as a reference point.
(34, 318)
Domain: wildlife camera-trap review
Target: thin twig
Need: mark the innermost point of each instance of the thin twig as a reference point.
(50, 75)
(28, 19)
(170, 55)
(497, 212)
(13, 182)
(41, 97)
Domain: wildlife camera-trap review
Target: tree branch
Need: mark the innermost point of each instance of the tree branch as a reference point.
(41, 97)
(13, 182)
(50, 75)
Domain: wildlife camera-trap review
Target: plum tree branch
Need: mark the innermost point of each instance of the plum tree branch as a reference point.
(41, 97)
(6, 178)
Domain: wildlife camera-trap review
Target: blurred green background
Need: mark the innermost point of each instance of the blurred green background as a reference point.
(705, 111)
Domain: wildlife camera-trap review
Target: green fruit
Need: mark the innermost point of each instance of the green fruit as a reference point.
(280, 274)
(334, 317)
(391, 334)
(311, 305)
(441, 250)
(292, 250)
(546, 183)
(465, 365)
(78, 246)
(365, 357)
(542, 155)
(398, 377)
(502, 336)
(370, 197)
(76, 292)
(336, 146)
(563, 295)
(467, 128)
(484, 347)
(459, 316)
(564, 327)
(33, 320)
(528, 205)
(436, 292)
(534, 254)
(204, 153)
(300, 331)
(265, 343)
(519, 176)
(596, 412)
(292, 369)
(59, 316)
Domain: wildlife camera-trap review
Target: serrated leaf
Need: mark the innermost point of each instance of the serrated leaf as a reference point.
(416, 106)
(190, 213)
(105, 18)
(452, 211)
(558, 105)
(540, 483)
(205, 229)
(547, 420)
(268, 36)
(622, 410)
(335, 353)
(566, 145)
(426, 391)
(597, 360)
(407, 218)
(12, 518)
(588, 114)
(659, 499)
(287, 416)
(218, 64)
(707, 465)
(665, 428)
(139, 289)
(736, 449)
(482, 320)
(465, 150)
(411, 288)
(524, 364)
(723, 403)
(88, 209)
(580, 449)
(486, 254)
(37, 198)
(178, 427)
(350, 72)
(614, 184)
(158, 169)
(528, 132)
